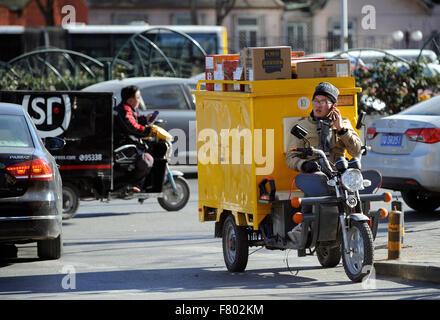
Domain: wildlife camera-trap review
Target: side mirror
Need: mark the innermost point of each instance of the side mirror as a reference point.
(360, 121)
(299, 131)
(54, 143)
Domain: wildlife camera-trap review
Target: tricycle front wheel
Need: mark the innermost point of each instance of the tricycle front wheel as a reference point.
(235, 245)
(358, 257)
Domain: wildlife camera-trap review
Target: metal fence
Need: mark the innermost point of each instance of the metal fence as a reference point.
(323, 44)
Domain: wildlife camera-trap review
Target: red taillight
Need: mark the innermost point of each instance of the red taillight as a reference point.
(426, 135)
(20, 170)
(371, 133)
(37, 169)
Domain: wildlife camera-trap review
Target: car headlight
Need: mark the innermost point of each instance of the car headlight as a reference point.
(352, 180)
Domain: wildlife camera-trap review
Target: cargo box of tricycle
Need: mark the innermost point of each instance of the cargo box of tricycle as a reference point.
(84, 120)
(242, 138)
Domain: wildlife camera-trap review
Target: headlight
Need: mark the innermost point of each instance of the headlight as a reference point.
(352, 180)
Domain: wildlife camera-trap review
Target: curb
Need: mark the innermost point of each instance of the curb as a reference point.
(426, 273)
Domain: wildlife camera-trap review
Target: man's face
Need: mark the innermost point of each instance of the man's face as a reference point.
(321, 106)
(134, 101)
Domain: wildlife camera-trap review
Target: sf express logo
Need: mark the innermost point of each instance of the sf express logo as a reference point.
(51, 115)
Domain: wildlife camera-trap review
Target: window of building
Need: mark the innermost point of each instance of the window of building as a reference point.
(247, 33)
(334, 35)
(297, 36)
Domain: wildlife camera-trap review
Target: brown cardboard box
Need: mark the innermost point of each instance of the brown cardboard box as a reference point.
(266, 63)
(214, 68)
(320, 68)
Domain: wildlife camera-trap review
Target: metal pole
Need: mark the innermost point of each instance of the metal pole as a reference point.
(344, 26)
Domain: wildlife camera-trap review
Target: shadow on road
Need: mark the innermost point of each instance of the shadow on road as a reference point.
(157, 281)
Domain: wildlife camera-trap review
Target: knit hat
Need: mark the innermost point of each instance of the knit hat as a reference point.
(328, 90)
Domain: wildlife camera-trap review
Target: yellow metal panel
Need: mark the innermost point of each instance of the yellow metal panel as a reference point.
(241, 140)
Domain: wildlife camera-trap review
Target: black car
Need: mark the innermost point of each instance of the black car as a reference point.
(30, 185)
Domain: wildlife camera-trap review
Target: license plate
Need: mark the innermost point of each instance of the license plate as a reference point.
(391, 140)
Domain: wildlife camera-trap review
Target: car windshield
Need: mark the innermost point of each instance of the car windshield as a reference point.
(430, 107)
(14, 131)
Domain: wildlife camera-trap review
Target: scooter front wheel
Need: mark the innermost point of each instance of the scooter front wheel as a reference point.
(171, 201)
(358, 257)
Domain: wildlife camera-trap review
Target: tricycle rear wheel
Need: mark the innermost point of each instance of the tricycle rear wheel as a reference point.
(328, 256)
(235, 245)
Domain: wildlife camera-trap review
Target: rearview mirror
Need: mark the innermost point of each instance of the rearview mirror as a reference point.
(54, 143)
(299, 131)
(360, 121)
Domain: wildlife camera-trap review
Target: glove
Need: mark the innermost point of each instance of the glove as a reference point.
(310, 166)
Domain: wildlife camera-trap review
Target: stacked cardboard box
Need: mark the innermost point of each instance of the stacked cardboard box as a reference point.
(320, 68)
(214, 69)
(269, 63)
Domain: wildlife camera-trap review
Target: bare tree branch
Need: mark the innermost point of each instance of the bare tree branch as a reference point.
(193, 8)
(222, 8)
(47, 11)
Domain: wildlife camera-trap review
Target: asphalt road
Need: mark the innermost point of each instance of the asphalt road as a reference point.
(124, 250)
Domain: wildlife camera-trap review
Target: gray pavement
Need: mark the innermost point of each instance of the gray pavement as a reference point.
(419, 259)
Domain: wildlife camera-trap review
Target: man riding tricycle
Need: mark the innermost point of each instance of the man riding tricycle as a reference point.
(296, 189)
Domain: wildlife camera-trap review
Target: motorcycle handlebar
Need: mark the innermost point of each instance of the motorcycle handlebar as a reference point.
(310, 151)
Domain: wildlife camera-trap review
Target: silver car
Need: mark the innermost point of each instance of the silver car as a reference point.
(172, 98)
(406, 150)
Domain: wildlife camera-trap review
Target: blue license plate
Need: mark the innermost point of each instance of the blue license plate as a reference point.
(391, 140)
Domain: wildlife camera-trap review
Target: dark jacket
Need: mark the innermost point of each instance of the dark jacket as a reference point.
(127, 122)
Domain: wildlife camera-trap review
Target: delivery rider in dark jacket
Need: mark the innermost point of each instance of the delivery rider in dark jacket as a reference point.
(129, 127)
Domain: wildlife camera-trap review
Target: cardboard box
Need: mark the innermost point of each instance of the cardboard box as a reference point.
(318, 68)
(266, 63)
(214, 68)
(297, 54)
(233, 71)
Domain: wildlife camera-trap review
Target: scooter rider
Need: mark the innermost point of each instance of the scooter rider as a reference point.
(129, 127)
(328, 131)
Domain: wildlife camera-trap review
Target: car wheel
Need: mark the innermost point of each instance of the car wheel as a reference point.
(50, 249)
(70, 200)
(419, 201)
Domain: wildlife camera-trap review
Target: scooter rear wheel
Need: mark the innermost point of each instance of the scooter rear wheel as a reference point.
(171, 201)
(359, 259)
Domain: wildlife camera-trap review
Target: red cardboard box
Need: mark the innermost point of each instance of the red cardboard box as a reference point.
(214, 67)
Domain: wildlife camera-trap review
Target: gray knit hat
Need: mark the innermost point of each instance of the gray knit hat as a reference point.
(328, 90)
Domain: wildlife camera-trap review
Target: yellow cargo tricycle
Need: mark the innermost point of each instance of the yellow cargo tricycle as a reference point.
(246, 187)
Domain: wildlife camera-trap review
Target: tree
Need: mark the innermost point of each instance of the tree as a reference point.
(222, 9)
(193, 9)
(47, 11)
(397, 86)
